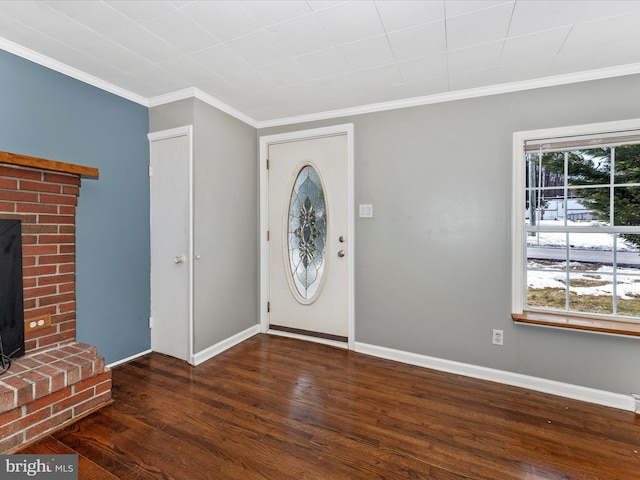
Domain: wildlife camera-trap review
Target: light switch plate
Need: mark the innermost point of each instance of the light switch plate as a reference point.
(366, 211)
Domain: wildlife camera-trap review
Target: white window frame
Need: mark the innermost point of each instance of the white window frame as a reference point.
(518, 241)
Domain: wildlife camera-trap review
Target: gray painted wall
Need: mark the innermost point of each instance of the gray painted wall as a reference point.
(225, 218)
(47, 114)
(433, 266)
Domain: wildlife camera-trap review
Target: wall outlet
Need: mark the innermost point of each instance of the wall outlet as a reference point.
(498, 337)
(37, 323)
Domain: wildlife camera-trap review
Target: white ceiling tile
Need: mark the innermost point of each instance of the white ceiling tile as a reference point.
(302, 35)
(367, 53)
(258, 48)
(285, 73)
(223, 19)
(301, 92)
(324, 63)
(180, 31)
(595, 58)
(378, 77)
(283, 95)
(52, 23)
(144, 43)
(12, 8)
(187, 69)
(541, 15)
(98, 16)
(610, 31)
(134, 84)
(593, 10)
(352, 21)
(478, 57)
(69, 55)
(401, 14)
(275, 11)
(424, 68)
(538, 45)
(220, 60)
(482, 26)
(317, 5)
(180, 3)
(376, 95)
(336, 84)
(142, 11)
(462, 7)
(161, 79)
(419, 41)
(22, 35)
(116, 55)
(85, 63)
(224, 91)
(522, 71)
(425, 88)
(476, 79)
(250, 81)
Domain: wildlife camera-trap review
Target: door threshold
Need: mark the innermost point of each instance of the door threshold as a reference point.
(341, 343)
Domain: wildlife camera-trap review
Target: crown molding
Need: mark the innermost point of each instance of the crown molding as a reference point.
(60, 67)
(557, 80)
(193, 92)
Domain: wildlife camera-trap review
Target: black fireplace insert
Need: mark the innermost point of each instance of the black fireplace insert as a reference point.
(11, 292)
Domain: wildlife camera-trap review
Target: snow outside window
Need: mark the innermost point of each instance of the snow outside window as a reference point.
(576, 221)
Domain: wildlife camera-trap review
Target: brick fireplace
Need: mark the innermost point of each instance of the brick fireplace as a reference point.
(58, 380)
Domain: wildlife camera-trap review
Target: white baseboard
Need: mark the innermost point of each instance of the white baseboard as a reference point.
(128, 359)
(218, 348)
(576, 392)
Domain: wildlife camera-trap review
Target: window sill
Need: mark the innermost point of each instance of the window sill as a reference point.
(616, 327)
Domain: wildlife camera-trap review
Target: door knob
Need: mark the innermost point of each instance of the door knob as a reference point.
(341, 253)
(178, 259)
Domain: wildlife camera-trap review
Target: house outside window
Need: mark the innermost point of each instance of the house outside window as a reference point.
(576, 222)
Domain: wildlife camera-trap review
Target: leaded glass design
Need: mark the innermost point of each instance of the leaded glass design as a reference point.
(307, 232)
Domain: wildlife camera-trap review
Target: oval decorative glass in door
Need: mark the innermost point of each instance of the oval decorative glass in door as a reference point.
(307, 233)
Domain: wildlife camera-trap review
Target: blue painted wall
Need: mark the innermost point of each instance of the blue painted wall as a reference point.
(46, 114)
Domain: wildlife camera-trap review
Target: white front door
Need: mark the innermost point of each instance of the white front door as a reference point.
(310, 244)
(171, 251)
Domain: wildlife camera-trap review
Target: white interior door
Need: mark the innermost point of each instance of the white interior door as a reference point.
(171, 240)
(309, 244)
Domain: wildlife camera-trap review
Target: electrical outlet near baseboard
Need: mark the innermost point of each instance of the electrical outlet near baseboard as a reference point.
(498, 337)
(36, 323)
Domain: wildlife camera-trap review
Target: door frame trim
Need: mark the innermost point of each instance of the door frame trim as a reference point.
(187, 131)
(265, 141)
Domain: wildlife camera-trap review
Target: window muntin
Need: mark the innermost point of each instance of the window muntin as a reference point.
(581, 229)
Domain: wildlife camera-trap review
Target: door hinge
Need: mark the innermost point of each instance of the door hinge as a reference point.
(268, 307)
(267, 164)
(150, 322)
(267, 235)
(150, 171)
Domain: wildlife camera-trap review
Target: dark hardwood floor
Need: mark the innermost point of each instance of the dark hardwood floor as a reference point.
(279, 408)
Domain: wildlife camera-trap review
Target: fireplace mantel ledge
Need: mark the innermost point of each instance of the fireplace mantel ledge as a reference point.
(44, 164)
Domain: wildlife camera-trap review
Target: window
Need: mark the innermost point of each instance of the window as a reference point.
(576, 225)
(307, 232)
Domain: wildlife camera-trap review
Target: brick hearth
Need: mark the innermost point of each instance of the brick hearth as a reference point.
(45, 390)
(57, 380)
